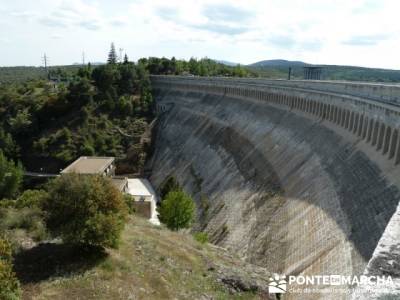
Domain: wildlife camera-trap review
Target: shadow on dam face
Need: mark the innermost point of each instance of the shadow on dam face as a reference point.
(289, 186)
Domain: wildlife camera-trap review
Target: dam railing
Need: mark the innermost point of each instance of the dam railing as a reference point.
(369, 111)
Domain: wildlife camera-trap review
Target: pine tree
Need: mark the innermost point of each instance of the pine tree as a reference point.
(126, 60)
(112, 55)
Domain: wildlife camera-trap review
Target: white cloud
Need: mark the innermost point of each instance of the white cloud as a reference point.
(329, 31)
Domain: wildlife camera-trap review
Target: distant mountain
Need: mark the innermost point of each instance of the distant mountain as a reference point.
(278, 69)
(225, 62)
(278, 63)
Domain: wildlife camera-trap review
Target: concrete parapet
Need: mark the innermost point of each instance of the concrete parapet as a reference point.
(342, 103)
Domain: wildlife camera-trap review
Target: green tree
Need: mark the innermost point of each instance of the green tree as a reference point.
(21, 122)
(80, 92)
(85, 210)
(7, 144)
(10, 177)
(124, 106)
(31, 198)
(126, 79)
(126, 59)
(177, 210)
(105, 77)
(9, 284)
(85, 72)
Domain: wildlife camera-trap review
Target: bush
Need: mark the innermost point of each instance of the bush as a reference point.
(177, 210)
(31, 198)
(6, 203)
(84, 209)
(28, 219)
(10, 177)
(129, 201)
(201, 237)
(9, 284)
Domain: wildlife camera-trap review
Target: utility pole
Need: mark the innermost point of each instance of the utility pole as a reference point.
(289, 73)
(45, 60)
(83, 57)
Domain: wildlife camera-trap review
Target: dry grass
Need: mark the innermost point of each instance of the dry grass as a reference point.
(151, 263)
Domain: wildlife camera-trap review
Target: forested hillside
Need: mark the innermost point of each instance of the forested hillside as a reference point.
(202, 67)
(23, 74)
(47, 120)
(89, 110)
(100, 111)
(155, 65)
(278, 69)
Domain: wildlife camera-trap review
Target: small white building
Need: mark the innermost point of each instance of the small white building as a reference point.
(95, 165)
(92, 165)
(145, 198)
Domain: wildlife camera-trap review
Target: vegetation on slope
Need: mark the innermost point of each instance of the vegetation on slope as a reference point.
(65, 233)
(201, 67)
(22, 74)
(9, 285)
(86, 213)
(154, 65)
(151, 263)
(85, 210)
(10, 177)
(102, 111)
(177, 210)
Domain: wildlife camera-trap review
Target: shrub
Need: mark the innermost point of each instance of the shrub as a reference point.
(6, 203)
(177, 210)
(31, 198)
(130, 200)
(28, 219)
(9, 284)
(201, 237)
(84, 209)
(10, 177)
(5, 250)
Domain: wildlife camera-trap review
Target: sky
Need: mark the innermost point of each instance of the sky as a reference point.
(346, 32)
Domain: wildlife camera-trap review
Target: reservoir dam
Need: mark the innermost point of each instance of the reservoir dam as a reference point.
(299, 177)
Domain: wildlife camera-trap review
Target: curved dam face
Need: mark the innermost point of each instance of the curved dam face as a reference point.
(297, 177)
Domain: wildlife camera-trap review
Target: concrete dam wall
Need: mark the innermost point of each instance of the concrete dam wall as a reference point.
(299, 177)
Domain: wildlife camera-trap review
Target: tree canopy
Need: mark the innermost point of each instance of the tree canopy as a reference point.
(10, 177)
(96, 111)
(85, 209)
(177, 210)
(9, 284)
(201, 67)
